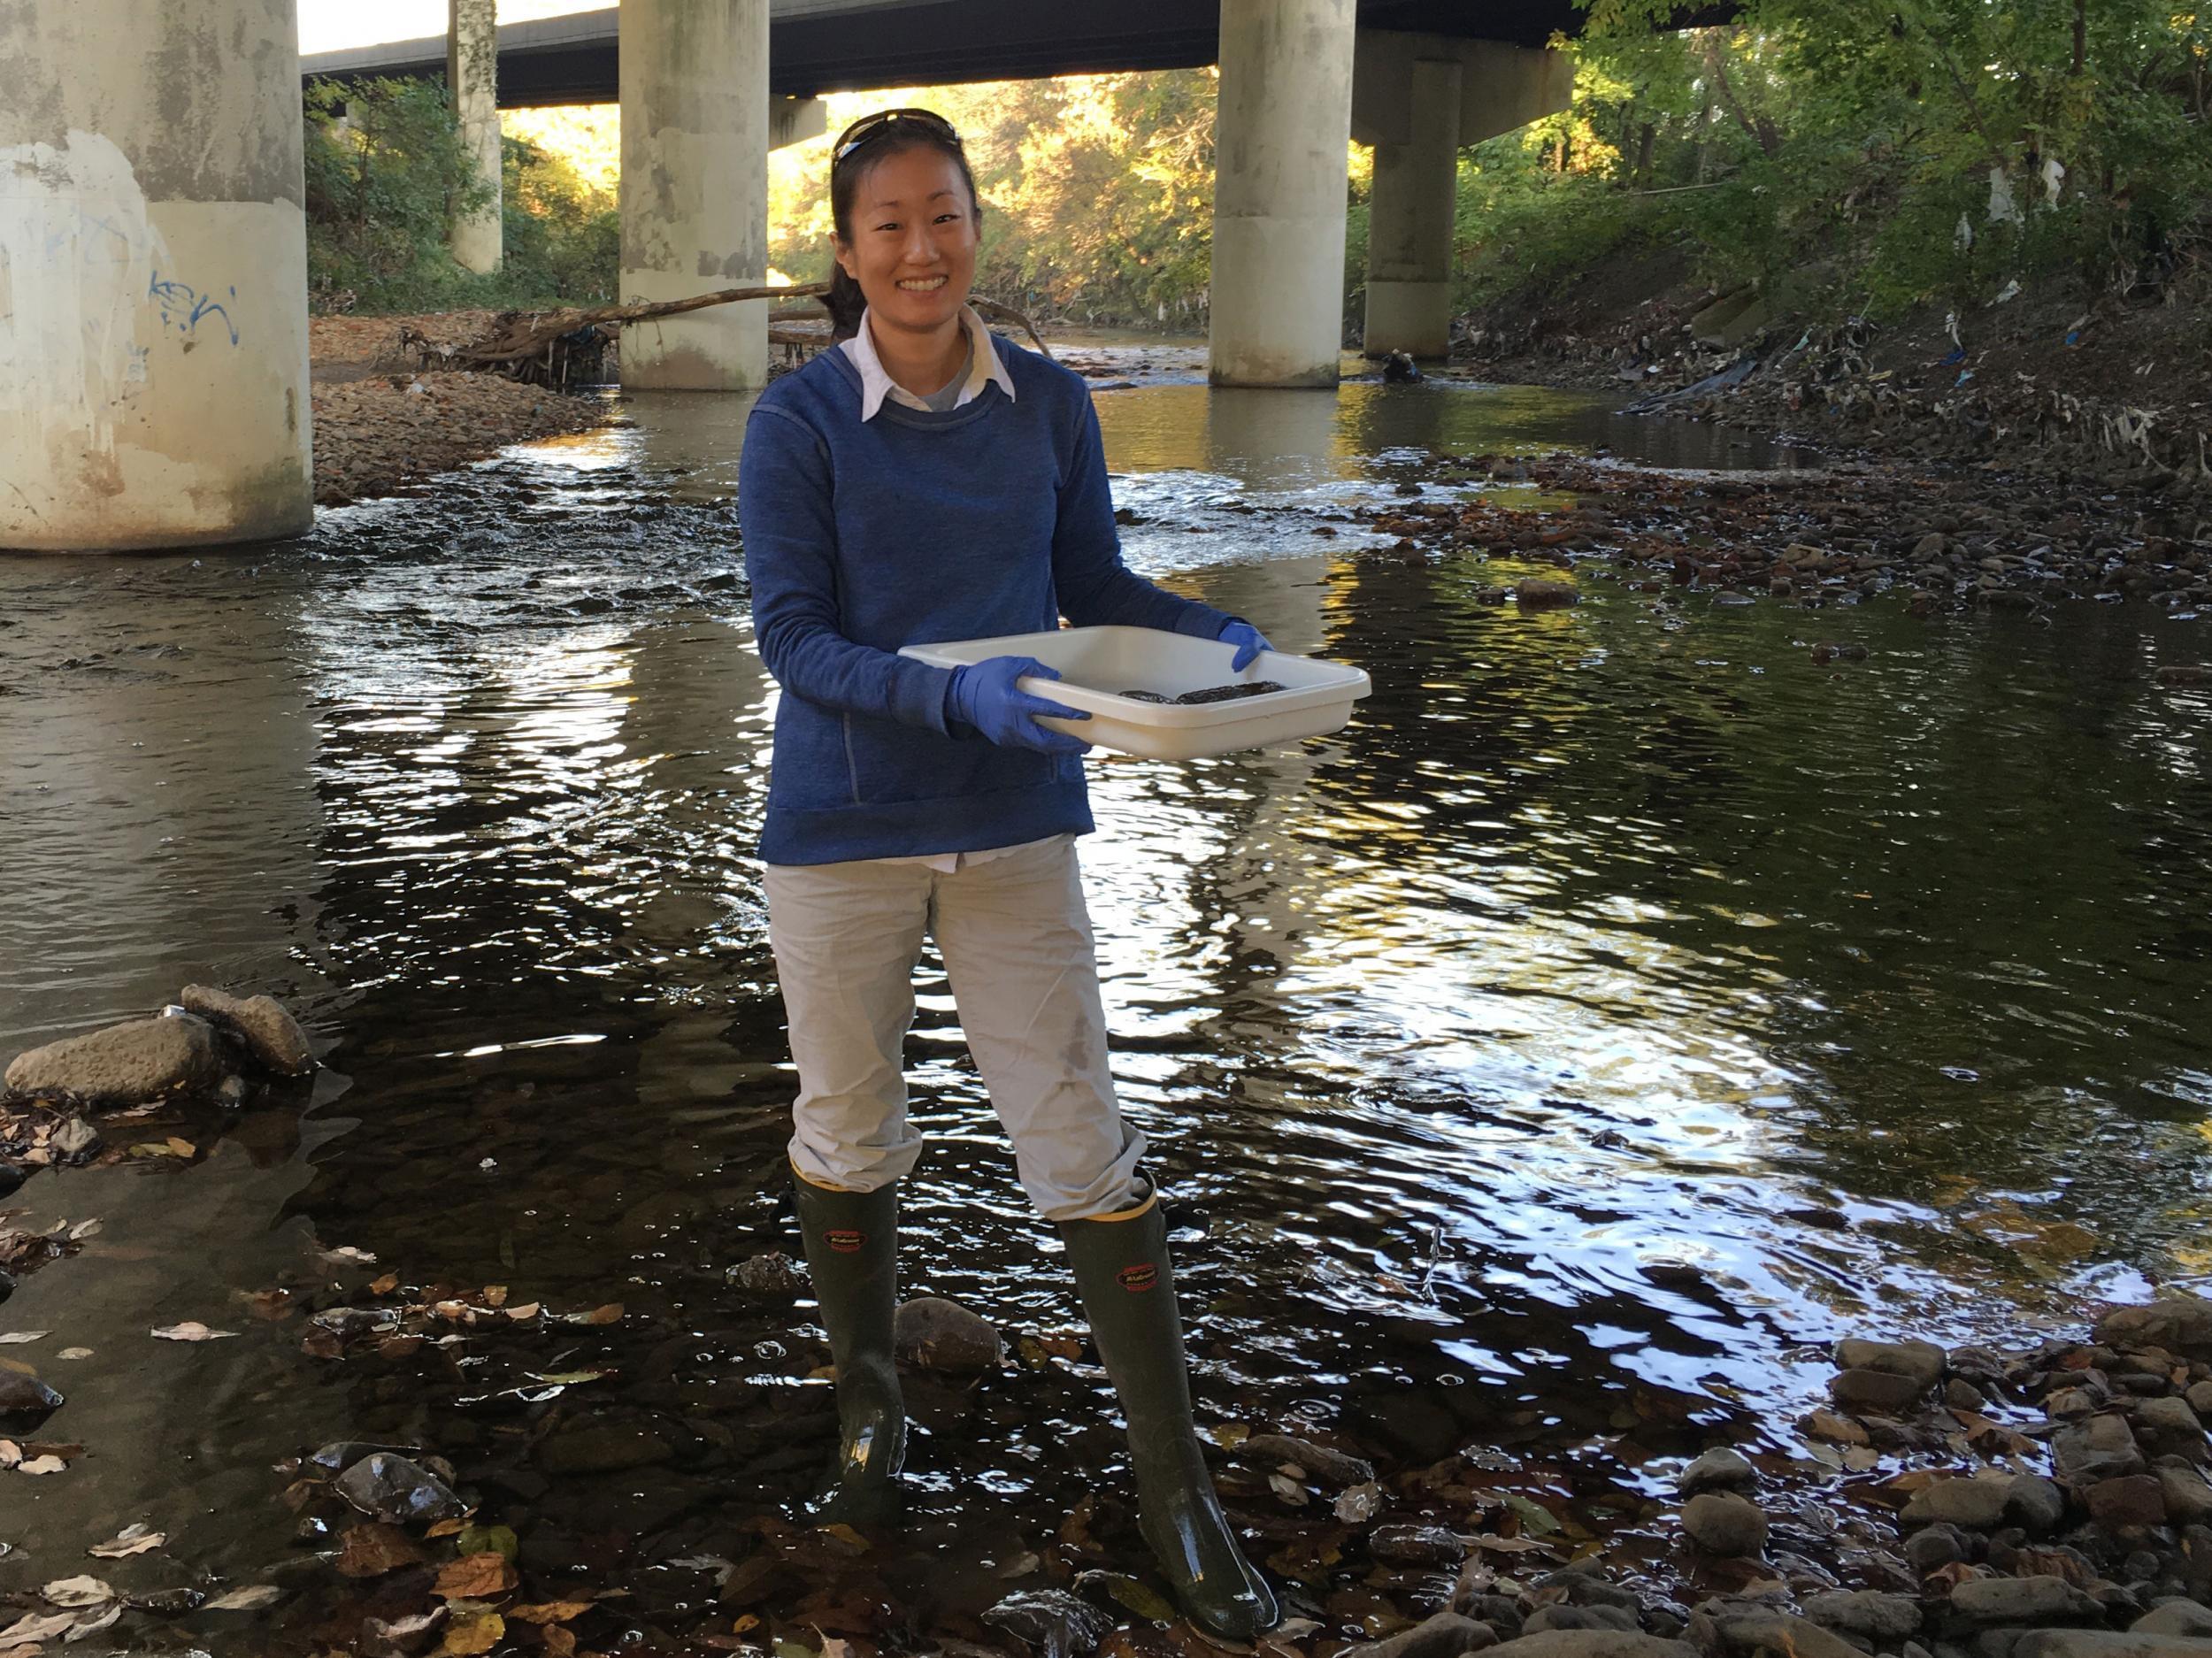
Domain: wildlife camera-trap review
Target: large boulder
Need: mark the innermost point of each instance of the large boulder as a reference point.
(2178, 1323)
(932, 1333)
(272, 1036)
(127, 1065)
(1922, 1362)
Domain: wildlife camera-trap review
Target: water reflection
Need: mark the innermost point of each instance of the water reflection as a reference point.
(1620, 1004)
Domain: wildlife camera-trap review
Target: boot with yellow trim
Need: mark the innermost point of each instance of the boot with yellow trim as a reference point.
(852, 1253)
(1128, 1290)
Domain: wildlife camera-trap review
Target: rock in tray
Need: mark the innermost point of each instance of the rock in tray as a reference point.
(1211, 694)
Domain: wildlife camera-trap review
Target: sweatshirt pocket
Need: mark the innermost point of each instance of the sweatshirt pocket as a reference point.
(893, 763)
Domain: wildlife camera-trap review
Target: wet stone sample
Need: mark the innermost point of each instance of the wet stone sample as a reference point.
(1721, 1523)
(932, 1333)
(397, 1491)
(272, 1036)
(1720, 1469)
(1210, 694)
(1052, 1623)
(24, 1400)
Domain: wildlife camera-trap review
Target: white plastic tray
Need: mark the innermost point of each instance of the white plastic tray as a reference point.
(1097, 663)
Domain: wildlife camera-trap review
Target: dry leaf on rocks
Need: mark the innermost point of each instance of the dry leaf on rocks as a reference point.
(550, 1611)
(386, 1285)
(74, 1353)
(477, 1634)
(611, 1313)
(31, 1628)
(77, 1592)
(446, 1528)
(17, 1337)
(477, 1578)
(191, 1329)
(132, 1540)
(44, 1465)
(560, 1642)
(371, 1550)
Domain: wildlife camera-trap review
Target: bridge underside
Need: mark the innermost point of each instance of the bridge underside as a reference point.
(852, 45)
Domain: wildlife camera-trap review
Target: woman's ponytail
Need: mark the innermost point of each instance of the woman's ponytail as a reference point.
(846, 302)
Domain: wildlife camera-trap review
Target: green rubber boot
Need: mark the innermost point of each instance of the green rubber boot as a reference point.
(852, 1251)
(1128, 1289)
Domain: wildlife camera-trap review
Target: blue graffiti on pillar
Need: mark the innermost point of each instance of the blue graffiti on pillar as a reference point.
(184, 307)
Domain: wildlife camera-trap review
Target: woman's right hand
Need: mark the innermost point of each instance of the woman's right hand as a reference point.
(985, 695)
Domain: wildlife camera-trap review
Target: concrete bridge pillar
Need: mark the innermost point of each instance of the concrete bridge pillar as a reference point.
(695, 188)
(1281, 135)
(153, 275)
(471, 78)
(1417, 97)
(1410, 223)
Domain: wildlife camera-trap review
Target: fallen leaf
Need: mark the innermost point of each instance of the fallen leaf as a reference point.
(76, 1592)
(1510, 1544)
(446, 1528)
(495, 1296)
(550, 1611)
(846, 1535)
(132, 1540)
(94, 1625)
(16, 1338)
(1536, 1520)
(181, 1147)
(45, 1465)
(348, 1253)
(611, 1313)
(83, 1230)
(10, 1453)
(528, 1309)
(477, 1578)
(31, 1627)
(560, 1642)
(191, 1329)
(160, 1149)
(371, 1550)
(488, 1540)
(74, 1353)
(270, 1304)
(249, 1599)
(386, 1285)
(480, 1633)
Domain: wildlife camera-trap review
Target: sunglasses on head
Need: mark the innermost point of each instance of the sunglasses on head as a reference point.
(868, 128)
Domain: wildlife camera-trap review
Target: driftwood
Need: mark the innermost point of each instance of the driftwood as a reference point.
(567, 346)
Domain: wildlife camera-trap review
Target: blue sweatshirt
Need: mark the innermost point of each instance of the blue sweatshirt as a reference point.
(916, 528)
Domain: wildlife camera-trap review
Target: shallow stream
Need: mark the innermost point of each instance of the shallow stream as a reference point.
(1620, 1009)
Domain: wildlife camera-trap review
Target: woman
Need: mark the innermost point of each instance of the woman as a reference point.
(924, 481)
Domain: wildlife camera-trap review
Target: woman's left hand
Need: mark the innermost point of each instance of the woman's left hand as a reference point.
(1248, 640)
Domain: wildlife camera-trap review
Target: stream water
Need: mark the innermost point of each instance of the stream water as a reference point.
(1620, 1009)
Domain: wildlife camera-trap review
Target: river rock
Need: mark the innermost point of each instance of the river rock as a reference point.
(1330, 1468)
(2188, 1496)
(1579, 1618)
(1977, 1504)
(1874, 1392)
(1721, 1523)
(603, 1447)
(1051, 1623)
(2180, 1325)
(75, 1138)
(2200, 1398)
(1881, 1618)
(1719, 1469)
(24, 1400)
(2170, 1425)
(2038, 1599)
(272, 1036)
(932, 1333)
(399, 1492)
(1446, 1635)
(1921, 1362)
(1762, 1631)
(126, 1064)
(2104, 1643)
(2102, 1448)
(1417, 1545)
(2174, 1617)
(1535, 594)
(2136, 1499)
(1593, 1643)
(2035, 1504)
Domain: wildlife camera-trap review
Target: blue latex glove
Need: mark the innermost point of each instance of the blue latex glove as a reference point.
(984, 695)
(1248, 640)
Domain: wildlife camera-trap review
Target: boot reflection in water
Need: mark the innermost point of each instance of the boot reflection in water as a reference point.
(852, 1254)
(1127, 1286)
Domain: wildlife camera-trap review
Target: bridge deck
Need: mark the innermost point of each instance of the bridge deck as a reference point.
(817, 46)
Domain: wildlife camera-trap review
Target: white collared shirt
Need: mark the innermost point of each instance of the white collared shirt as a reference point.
(875, 385)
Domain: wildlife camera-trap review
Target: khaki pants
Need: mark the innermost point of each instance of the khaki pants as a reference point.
(1017, 941)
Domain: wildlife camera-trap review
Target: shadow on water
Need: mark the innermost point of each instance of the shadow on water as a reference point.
(1619, 1009)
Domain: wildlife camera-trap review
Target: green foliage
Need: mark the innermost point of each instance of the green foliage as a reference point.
(386, 173)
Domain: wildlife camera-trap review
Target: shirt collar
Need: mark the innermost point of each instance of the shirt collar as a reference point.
(983, 368)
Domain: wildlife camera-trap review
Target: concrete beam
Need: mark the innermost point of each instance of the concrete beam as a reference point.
(694, 189)
(794, 121)
(1409, 222)
(471, 78)
(1501, 87)
(153, 276)
(1282, 128)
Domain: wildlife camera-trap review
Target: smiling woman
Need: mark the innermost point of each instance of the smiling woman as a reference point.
(922, 482)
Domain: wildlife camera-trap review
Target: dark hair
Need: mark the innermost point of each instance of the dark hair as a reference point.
(888, 136)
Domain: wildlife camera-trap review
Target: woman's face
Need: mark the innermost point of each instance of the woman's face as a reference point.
(913, 244)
